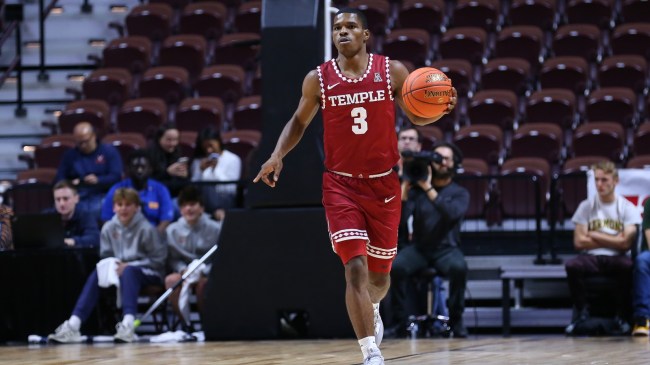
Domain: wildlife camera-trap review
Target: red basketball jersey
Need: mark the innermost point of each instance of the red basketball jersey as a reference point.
(358, 119)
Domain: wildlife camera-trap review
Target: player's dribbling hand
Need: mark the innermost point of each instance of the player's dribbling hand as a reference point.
(452, 101)
(270, 171)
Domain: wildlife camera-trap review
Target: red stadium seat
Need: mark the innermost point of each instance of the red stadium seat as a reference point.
(543, 140)
(522, 41)
(248, 113)
(483, 142)
(408, 44)
(497, 107)
(578, 40)
(631, 39)
(169, 83)
(539, 13)
(612, 104)
(132, 53)
(422, 14)
(248, 17)
(206, 18)
(596, 12)
(196, 114)
(605, 139)
(153, 21)
(556, 106)
(143, 115)
(477, 13)
(186, 50)
(507, 74)
(522, 178)
(95, 112)
(467, 43)
(113, 85)
(641, 145)
(629, 71)
(571, 73)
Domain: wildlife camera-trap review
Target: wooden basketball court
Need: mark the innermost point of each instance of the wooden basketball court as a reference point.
(482, 350)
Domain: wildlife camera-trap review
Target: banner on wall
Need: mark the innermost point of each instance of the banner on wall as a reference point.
(634, 184)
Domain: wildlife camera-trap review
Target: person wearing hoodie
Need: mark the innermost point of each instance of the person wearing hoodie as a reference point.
(140, 261)
(188, 239)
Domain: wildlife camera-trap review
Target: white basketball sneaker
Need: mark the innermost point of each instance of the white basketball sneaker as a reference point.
(374, 358)
(65, 334)
(125, 333)
(379, 326)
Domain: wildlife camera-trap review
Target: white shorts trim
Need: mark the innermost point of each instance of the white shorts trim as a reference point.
(349, 234)
(381, 253)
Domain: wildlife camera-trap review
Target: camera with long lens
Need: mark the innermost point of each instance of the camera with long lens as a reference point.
(416, 164)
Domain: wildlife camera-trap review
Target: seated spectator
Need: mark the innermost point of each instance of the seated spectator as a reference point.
(80, 229)
(93, 167)
(6, 239)
(604, 231)
(189, 239)
(213, 163)
(140, 261)
(156, 201)
(641, 294)
(169, 166)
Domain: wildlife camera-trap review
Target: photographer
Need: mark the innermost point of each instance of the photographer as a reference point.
(437, 206)
(408, 139)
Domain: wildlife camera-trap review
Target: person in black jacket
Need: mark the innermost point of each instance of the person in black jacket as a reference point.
(437, 206)
(80, 228)
(169, 165)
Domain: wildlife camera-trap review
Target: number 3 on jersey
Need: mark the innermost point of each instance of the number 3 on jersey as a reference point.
(360, 124)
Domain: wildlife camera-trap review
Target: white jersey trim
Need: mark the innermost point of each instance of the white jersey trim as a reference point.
(390, 89)
(346, 79)
(322, 87)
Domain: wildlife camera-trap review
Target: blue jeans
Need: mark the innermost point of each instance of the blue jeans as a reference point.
(133, 278)
(641, 295)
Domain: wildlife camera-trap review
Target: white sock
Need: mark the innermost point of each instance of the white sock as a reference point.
(375, 307)
(367, 343)
(74, 322)
(128, 320)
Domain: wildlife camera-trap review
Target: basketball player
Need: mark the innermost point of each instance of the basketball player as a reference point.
(361, 191)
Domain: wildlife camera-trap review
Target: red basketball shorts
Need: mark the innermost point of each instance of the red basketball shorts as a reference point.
(363, 216)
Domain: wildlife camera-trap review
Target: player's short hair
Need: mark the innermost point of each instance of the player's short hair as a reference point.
(190, 194)
(607, 167)
(360, 15)
(63, 184)
(127, 194)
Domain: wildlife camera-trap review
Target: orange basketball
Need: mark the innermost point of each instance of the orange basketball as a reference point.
(426, 92)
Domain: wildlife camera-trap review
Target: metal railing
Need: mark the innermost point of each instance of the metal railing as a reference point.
(14, 65)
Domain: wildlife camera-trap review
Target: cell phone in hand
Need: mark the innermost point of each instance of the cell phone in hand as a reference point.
(183, 160)
(213, 156)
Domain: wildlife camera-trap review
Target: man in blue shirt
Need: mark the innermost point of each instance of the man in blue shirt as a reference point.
(157, 205)
(92, 167)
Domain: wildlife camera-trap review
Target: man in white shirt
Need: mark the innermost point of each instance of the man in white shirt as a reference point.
(605, 229)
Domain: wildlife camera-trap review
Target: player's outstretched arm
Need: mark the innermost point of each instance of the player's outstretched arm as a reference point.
(293, 130)
(399, 73)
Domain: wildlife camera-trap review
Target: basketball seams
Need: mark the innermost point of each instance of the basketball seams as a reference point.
(414, 98)
(412, 107)
(419, 96)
